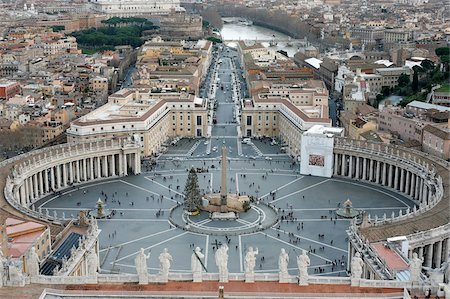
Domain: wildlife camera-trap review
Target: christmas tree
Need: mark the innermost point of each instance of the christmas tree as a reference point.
(192, 197)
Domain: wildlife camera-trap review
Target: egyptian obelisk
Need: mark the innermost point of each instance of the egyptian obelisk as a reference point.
(223, 181)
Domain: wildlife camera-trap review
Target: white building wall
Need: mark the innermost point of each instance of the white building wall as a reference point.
(317, 151)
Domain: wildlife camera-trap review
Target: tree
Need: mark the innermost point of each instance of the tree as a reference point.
(192, 197)
(427, 65)
(415, 82)
(403, 80)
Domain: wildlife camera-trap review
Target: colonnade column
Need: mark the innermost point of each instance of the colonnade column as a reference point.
(377, 175)
(383, 181)
(402, 179)
(41, 184)
(420, 252)
(22, 194)
(396, 174)
(416, 187)
(71, 172)
(52, 178)
(412, 187)
(46, 182)
(424, 193)
(35, 186)
(105, 166)
(350, 166)
(438, 254)
(429, 258)
(65, 179)
(91, 168)
(421, 184)
(371, 170)
(343, 163)
(390, 175)
(335, 169)
(27, 191)
(357, 168)
(125, 165)
(84, 170)
(98, 173)
(58, 176)
(137, 163)
(113, 165)
(364, 174)
(121, 172)
(78, 172)
(407, 182)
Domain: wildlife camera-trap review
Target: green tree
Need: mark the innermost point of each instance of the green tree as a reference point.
(214, 39)
(192, 197)
(403, 80)
(427, 65)
(415, 82)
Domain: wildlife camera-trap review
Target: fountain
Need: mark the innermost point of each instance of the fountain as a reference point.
(100, 212)
(347, 211)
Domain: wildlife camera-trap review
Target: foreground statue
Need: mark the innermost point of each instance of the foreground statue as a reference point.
(196, 265)
(415, 267)
(141, 266)
(222, 262)
(164, 262)
(357, 266)
(250, 262)
(92, 262)
(32, 262)
(303, 262)
(283, 261)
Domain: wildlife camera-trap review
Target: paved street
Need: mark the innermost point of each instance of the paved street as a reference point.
(305, 204)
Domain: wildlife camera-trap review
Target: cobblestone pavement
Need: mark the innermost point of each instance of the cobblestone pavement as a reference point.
(142, 206)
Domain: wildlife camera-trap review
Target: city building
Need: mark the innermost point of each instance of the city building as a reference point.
(117, 8)
(8, 89)
(436, 140)
(150, 114)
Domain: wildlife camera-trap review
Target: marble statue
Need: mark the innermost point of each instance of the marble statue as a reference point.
(303, 262)
(92, 262)
(283, 261)
(164, 262)
(357, 265)
(196, 265)
(141, 266)
(2, 269)
(15, 275)
(222, 262)
(441, 274)
(415, 267)
(446, 269)
(94, 226)
(32, 262)
(250, 260)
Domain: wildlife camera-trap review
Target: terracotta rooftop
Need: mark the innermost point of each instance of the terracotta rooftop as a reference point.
(392, 258)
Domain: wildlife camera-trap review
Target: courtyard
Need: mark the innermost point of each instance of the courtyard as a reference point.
(305, 206)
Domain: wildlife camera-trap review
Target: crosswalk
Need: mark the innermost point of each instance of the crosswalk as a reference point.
(257, 150)
(193, 148)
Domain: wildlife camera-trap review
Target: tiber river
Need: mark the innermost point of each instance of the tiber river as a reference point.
(233, 31)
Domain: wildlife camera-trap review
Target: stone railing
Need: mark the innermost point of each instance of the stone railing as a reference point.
(410, 159)
(369, 255)
(28, 164)
(435, 233)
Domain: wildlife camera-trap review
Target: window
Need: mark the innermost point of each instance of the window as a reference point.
(199, 120)
(249, 120)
